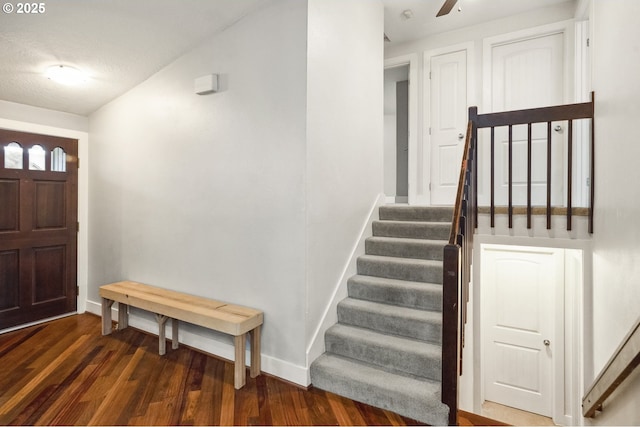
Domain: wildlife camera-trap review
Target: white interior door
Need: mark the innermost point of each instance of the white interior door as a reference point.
(522, 306)
(448, 123)
(529, 74)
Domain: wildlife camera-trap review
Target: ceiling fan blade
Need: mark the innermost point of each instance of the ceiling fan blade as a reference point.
(446, 7)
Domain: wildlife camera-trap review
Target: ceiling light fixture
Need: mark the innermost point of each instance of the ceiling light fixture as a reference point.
(66, 75)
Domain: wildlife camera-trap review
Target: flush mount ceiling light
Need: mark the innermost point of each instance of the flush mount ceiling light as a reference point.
(66, 75)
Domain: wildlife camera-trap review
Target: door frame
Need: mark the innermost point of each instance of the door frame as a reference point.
(567, 399)
(83, 201)
(557, 385)
(413, 179)
(566, 28)
(426, 84)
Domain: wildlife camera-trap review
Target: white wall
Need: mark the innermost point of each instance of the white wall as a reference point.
(206, 194)
(616, 271)
(470, 38)
(42, 116)
(344, 139)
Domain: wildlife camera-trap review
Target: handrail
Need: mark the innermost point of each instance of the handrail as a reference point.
(457, 275)
(457, 207)
(547, 115)
(624, 360)
(458, 253)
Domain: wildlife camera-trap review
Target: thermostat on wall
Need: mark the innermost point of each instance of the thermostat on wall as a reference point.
(206, 84)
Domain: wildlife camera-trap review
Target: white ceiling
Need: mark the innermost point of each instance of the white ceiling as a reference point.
(423, 23)
(121, 43)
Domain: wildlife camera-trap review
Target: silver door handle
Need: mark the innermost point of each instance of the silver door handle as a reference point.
(460, 136)
(546, 342)
(558, 128)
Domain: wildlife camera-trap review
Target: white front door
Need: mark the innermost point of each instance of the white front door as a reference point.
(448, 123)
(522, 306)
(529, 74)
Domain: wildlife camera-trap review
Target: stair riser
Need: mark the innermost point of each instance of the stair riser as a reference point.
(407, 327)
(433, 214)
(429, 231)
(412, 363)
(401, 271)
(415, 400)
(426, 299)
(413, 250)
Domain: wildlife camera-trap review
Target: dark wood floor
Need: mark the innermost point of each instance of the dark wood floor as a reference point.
(65, 373)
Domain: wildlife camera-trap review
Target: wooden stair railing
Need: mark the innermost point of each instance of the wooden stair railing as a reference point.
(624, 360)
(457, 275)
(529, 117)
(458, 253)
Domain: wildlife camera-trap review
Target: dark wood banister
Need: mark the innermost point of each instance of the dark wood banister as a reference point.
(624, 360)
(455, 274)
(558, 113)
(458, 254)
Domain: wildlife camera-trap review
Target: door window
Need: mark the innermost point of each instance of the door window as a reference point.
(13, 156)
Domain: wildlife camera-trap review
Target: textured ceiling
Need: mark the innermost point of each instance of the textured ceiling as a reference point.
(119, 43)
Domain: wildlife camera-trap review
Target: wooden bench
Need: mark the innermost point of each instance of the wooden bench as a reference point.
(231, 319)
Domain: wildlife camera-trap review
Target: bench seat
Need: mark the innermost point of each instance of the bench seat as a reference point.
(234, 320)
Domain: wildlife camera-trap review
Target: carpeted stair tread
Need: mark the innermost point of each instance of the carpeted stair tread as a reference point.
(393, 353)
(416, 213)
(421, 295)
(417, 270)
(407, 396)
(386, 349)
(412, 229)
(422, 325)
(405, 248)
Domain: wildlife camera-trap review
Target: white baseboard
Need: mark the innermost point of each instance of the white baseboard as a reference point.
(330, 315)
(271, 365)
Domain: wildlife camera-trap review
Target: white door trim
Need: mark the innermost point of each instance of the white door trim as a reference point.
(412, 61)
(556, 312)
(426, 85)
(566, 28)
(563, 27)
(571, 364)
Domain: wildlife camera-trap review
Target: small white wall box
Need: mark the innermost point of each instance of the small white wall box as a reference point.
(206, 84)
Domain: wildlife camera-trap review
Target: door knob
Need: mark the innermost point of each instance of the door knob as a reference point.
(546, 342)
(460, 136)
(558, 128)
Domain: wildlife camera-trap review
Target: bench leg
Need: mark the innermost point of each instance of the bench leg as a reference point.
(162, 342)
(123, 316)
(240, 375)
(174, 333)
(106, 316)
(255, 352)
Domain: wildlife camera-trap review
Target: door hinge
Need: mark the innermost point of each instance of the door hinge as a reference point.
(429, 131)
(77, 290)
(429, 75)
(78, 163)
(78, 226)
(588, 42)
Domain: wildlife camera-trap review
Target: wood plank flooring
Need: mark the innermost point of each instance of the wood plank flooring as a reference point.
(66, 373)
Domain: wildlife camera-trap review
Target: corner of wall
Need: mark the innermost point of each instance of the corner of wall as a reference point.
(330, 314)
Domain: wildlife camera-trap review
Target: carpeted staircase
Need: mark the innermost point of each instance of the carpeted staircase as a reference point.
(385, 349)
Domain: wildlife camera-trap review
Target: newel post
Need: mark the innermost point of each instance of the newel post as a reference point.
(450, 330)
